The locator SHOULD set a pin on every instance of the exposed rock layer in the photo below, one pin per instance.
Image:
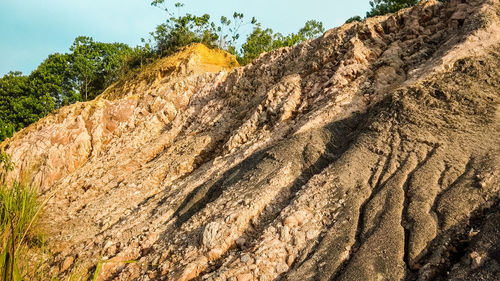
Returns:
(371, 153)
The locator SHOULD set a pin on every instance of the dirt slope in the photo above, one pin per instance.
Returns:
(371, 153)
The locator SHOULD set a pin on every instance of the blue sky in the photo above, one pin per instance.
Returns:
(30, 30)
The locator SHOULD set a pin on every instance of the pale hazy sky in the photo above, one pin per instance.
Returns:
(30, 30)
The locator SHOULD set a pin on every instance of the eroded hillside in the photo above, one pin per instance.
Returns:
(371, 153)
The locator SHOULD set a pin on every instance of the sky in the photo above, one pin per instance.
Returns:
(30, 30)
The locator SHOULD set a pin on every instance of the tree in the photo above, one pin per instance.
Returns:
(264, 40)
(259, 41)
(181, 31)
(84, 63)
(382, 7)
(12, 86)
(311, 29)
(7, 129)
(20, 103)
(93, 66)
(52, 76)
(137, 58)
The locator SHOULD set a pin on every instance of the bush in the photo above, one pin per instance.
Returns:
(382, 7)
(353, 19)
(264, 40)
(182, 31)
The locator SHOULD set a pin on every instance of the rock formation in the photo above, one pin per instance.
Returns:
(370, 153)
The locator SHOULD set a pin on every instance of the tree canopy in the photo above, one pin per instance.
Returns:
(20, 103)
(264, 40)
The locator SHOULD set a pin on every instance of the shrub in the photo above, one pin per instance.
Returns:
(264, 40)
(382, 7)
(353, 19)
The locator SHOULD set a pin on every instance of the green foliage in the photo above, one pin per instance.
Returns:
(93, 66)
(6, 165)
(353, 19)
(259, 41)
(228, 31)
(182, 31)
(137, 58)
(382, 7)
(18, 212)
(311, 29)
(51, 77)
(264, 40)
(21, 103)
(19, 234)
(19, 209)
(83, 73)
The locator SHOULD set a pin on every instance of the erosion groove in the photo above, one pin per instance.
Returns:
(370, 153)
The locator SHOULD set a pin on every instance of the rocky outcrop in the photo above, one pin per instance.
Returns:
(130, 110)
(370, 153)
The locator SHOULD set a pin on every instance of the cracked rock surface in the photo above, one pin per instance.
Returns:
(370, 153)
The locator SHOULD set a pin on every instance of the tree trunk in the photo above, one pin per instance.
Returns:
(86, 89)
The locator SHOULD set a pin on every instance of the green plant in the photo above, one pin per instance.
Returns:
(264, 40)
(6, 165)
(181, 31)
(20, 105)
(353, 19)
(382, 7)
(19, 210)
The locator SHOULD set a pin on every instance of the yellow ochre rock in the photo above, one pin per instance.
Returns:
(193, 59)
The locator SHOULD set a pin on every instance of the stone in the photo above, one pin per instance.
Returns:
(245, 258)
(211, 235)
(244, 277)
(476, 260)
(67, 263)
(215, 254)
(240, 242)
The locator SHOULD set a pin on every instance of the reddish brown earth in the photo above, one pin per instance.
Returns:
(370, 153)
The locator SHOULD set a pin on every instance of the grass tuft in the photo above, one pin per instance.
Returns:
(19, 209)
